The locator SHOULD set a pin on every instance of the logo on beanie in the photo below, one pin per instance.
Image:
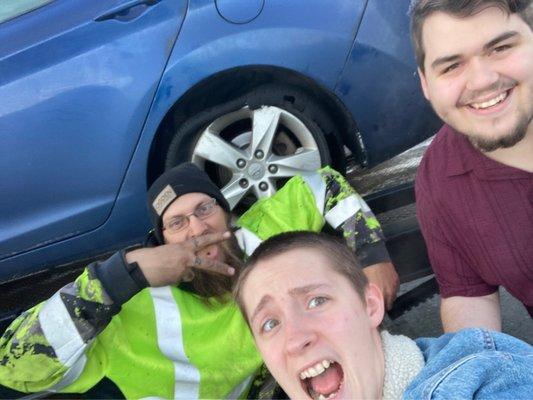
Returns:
(163, 199)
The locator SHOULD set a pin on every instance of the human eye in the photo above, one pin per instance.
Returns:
(176, 223)
(501, 48)
(317, 301)
(204, 208)
(450, 68)
(268, 325)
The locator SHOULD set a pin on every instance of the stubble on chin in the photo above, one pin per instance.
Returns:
(506, 141)
(477, 137)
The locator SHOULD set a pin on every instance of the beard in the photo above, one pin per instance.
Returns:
(210, 285)
(509, 140)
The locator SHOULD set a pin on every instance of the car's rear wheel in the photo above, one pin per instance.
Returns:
(252, 145)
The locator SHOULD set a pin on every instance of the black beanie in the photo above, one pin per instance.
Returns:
(180, 180)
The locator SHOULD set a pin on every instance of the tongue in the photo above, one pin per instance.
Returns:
(329, 381)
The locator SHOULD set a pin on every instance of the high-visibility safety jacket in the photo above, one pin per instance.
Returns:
(167, 342)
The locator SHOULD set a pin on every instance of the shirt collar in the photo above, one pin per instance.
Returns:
(463, 157)
(460, 153)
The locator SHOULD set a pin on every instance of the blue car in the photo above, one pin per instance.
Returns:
(98, 98)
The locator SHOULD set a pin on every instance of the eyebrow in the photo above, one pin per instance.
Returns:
(501, 38)
(173, 216)
(298, 291)
(305, 289)
(262, 303)
(445, 60)
(492, 43)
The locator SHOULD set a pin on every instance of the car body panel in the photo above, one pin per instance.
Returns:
(314, 41)
(239, 12)
(97, 85)
(107, 210)
(383, 55)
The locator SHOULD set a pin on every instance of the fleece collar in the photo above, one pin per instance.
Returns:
(403, 361)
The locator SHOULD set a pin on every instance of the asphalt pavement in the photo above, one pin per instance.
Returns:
(424, 320)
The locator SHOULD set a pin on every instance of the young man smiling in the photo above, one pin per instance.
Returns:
(157, 321)
(474, 186)
(315, 320)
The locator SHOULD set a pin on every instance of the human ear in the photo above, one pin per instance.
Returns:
(423, 83)
(375, 304)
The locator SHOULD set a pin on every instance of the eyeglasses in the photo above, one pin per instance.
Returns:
(202, 211)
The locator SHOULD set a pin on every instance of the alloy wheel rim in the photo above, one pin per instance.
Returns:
(249, 158)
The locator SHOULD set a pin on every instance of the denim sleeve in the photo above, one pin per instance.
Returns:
(474, 363)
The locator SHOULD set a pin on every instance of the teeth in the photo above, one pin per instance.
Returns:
(322, 397)
(315, 370)
(489, 103)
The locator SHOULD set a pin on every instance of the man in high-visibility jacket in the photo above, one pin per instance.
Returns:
(159, 321)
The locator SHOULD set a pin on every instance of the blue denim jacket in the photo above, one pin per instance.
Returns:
(474, 363)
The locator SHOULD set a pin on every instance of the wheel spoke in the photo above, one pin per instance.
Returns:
(233, 191)
(265, 123)
(215, 149)
(305, 161)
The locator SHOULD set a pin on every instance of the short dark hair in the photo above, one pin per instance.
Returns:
(343, 260)
(421, 9)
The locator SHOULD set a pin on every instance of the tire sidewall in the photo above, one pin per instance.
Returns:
(293, 100)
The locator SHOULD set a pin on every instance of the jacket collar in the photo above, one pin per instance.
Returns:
(403, 362)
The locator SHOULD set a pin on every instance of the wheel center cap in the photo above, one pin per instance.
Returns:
(256, 170)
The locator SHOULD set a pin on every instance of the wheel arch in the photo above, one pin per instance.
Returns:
(233, 83)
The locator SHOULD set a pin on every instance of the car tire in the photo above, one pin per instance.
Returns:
(290, 129)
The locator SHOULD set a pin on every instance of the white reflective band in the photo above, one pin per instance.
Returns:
(318, 187)
(365, 207)
(241, 387)
(343, 210)
(170, 340)
(60, 331)
(248, 241)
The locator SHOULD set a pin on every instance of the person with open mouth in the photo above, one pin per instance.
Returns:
(159, 320)
(316, 322)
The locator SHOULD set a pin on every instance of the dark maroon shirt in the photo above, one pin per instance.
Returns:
(476, 216)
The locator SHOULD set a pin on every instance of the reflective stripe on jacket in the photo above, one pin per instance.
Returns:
(167, 342)
(308, 202)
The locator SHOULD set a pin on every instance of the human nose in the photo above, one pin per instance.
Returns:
(197, 226)
(481, 75)
(300, 336)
